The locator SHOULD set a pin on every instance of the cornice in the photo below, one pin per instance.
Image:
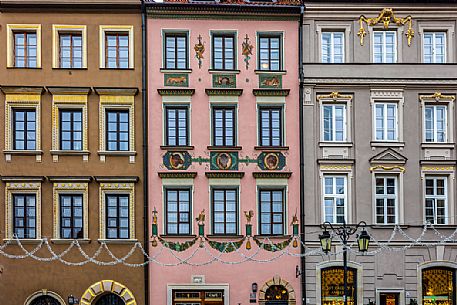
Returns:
(168, 175)
(225, 92)
(277, 175)
(22, 178)
(116, 91)
(69, 178)
(379, 81)
(116, 178)
(69, 90)
(36, 90)
(271, 92)
(223, 175)
(178, 92)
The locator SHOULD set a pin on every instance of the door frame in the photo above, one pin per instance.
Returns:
(199, 287)
(401, 291)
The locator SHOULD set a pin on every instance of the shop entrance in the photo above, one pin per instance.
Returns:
(198, 297)
(389, 298)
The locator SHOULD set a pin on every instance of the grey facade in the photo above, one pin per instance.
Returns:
(384, 161)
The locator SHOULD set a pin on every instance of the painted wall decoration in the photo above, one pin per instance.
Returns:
(246, 50)
(224, 80)
(176, 80)
(271, 161)
(199, 50)
(176, 160)
(224, 161)
(270, 81)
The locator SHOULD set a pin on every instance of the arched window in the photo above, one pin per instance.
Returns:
(438, 286)
(110, 299)
(276, 295)
(45, 300)
(332, 286)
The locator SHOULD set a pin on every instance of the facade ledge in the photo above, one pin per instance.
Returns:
(69, 178)
(116, 178)
(336, 144)
(69, 90)
(118, 241)
(176, 148)
(278, 175)
(438, 162)
(389, 226)
(163, 70)
(271, 148)
(23, 152)
(224, 148)
(23, 178)
(280, 72)
(60, 241)
(335, 161)
(438, 145)
(176, 92)
(221, 236)
(211, 71)
(165, 175)
(25, 241)
(22, 90)
(271, 92)
(116, 153)
(69, 152)
(237, 175)
(176, 236)
(262, 237)
(116, 91)
(224, 92)
(386, 144)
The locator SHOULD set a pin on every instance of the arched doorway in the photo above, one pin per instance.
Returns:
(45, 300)
(44, 297)
(277, 291)
(109, 299)
(108, 292)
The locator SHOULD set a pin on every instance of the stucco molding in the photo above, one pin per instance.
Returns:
(277, 280)
(174, 175)
(176, 92)
(108, 286)
(225, 175)
(44, 292)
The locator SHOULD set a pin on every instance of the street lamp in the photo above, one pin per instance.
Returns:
(344, 232)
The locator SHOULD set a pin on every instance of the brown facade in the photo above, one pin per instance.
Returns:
(48, 168)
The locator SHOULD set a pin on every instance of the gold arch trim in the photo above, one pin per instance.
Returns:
(335, 95)
(438, 96)
(387, 168)
(277, 280)
(105, 286)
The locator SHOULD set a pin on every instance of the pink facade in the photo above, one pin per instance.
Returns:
(236, 279)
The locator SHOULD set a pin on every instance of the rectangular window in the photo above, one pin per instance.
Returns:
(270, 121)
(178, 211)
(176, 51)
(385, 47)
(177, 126)
(386, 122)
(335, 198)
(70, 129)
(334, 123)
(71, 216)
(24, 129)
(117, 216)
(270, 52)
(332, 47)
(224, 126)
(25, 49)
(435, 123)
(386, 200)
(117, 130)
(436, 200)
(70, 50)
(271, 204)
(24, 215)
(224, 51)
(434, 47)
(225, 211)
(117, 50)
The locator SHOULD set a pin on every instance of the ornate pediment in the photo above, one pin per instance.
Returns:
(389, 156)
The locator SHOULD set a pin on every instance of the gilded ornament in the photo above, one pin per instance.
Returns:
(246, 50)
(437, 96)
(334, 96)
(199, 50)
(388, 168)
(249, 215)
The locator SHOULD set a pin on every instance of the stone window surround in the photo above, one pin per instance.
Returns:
(233, 32)
(449, 29)
(187, 32)
(341, 100)
(333, 27)
(224, 183)
(282, 58)
(116, 28)
(274, 101)
(56, 30)
(399, 42)
(10, 42)
(183, 101)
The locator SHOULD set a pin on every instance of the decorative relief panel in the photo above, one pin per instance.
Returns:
(177, 160)
(224, 80)
(270, 81)
(271, 161)
(224, 161)
(176, 80)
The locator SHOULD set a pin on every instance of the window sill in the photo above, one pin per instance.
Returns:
(23, 152)
(163, 70)
(261, 237)
(226, 236)
(336, 144)
(224, 148)
(121, 69)
(117, 241)
(271, 148)
(61, 241)
(387, 144)
(212, 71)
(438, 145)
(24, 241)
(57, 68)
(178, 236)
(176, 148)
(25, 68)
(116, 153)
(69, 152)
(281, 72)
(388, 226)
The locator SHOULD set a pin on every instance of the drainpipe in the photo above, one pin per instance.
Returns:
(302, 157)
(144, 96)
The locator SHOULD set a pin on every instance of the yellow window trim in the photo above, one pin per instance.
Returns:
(116, 28)
(56, 28)
(10, 41)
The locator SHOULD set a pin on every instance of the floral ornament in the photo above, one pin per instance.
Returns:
(249, 216)
(226, 247)
(178, 246)
(199, 50)
(246, 50)
(273, 247)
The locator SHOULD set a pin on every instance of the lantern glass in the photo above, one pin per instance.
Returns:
(326, 241)
(363, 241)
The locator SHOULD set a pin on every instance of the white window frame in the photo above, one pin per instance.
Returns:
(437, 197)
(434, 46)
(332, 46)
(448, 28)
(386, 196)
(11, 28)
(332, 27)
(435, 129)
(116, 28)
(345, 125)
(439, 99)
(335, 196)
(396, 41)
(384, 124)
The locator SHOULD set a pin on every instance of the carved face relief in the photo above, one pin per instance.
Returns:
(271, 161)
(176, 160)
(224, 161)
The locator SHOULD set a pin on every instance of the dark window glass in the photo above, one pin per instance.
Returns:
(270, 54)
(24, 129)
(24, 215)
(25, 49)
(178, 211)
(70, 129)
(176, 53)
(225, 211)
(224, 126)
(45, 300)
(270, 122)
(117, 130)
(71, 216)
(438, 286)
(176, 126)
(224, 52)
(71, 50)
(109, 299)
(332, 285)
(117, 216)
(271, 212)
(117, 50)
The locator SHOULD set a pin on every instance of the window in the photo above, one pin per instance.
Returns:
(270, 52)
(117, 216)
(24, 129)
(386, 200)
(435, 123)
(436, 200)
(117, 50)
(225, 211)
(332, 47)
(332, 285)
(271, 204)
(224, 126)
(335, 198)
(25, 49)
(117, 130)
(386, 121)
(178, 209)
(70, 50)
(71, 216)
(434, 279)
(70, 129)
(177, 133)
(435, 47)
(334, 122)
(224, 51)
(270, 121)
(24, 216)
(385, 47)
(176, 51)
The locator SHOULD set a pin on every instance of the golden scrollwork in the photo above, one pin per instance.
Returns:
(386, 16)
(387, 168)
(334, 96)
(438, 96)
